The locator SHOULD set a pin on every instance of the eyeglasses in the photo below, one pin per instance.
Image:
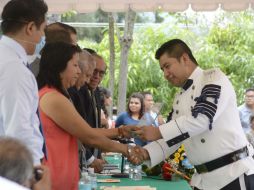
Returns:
(100, 72)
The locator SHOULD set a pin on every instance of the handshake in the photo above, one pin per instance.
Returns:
(136, 155)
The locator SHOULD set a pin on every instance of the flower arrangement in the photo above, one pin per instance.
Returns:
(176, 165)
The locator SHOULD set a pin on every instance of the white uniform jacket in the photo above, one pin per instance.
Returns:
(19, 98)
(206, 120)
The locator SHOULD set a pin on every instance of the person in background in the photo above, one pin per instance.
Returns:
(106, 101)
(205, 120)
(247, 109)
(87, 66)
(56, 26)
(9, 185)
(155, 117)
(55, 32)
(23, 24)
(135, 111)
(91, 104)
(250, 134)
(62, 124)
(16, 164)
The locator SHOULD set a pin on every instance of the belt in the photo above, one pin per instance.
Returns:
(222, 161)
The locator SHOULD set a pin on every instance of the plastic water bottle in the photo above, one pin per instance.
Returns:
(126, 166)
(93, 178)
(85, 182)
(135, 172)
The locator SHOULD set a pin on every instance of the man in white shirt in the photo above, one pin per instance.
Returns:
(23, 24)
(9, 185)
(247, 109)
(152, 113)
(205, 119)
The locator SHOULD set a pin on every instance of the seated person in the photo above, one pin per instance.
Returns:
(135, 111)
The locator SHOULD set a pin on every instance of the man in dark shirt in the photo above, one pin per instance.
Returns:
(91, 96)
(88, 104)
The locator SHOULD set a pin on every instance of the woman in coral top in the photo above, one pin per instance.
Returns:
(61, 123)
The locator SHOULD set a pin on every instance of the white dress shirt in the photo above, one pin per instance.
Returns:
(9, 185)
(19, 98)
(203, 144)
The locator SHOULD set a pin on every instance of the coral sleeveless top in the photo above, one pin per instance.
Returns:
(62, 152)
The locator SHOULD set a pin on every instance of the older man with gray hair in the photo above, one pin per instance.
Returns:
(16, 164)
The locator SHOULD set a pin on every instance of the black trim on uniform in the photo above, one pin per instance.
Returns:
(187, 84)
(222, 161)
(169, 117)
(178, 139)
(235, 185)
(204, 106)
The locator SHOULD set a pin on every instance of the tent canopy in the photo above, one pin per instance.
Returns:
(86, 6)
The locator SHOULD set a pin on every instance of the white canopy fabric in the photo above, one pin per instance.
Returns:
(86, 6)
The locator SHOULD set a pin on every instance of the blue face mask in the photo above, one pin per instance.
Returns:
(40, 45)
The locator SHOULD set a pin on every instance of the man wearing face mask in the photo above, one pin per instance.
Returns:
(55, 32)
(23, 24)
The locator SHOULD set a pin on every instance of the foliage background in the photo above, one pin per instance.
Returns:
(227, 42)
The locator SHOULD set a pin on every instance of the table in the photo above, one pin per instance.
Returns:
(146, 180)
(159, 184)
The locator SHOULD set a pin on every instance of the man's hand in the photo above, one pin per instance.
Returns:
(44, 183)
(97, 164)
(127, 130)
(148, 133)
(137, 155)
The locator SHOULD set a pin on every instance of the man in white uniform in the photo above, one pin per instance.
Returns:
(23, 24)
(205, 119)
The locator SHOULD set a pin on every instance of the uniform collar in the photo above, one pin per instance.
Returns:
(187, 84)
(16, 47)
(197, 71)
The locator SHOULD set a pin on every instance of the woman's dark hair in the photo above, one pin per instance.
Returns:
(141, 99)
(104, 93)
(17, 13)
(54, 60)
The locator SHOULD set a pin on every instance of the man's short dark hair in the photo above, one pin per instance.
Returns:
(175, 48)
(146, 93)
(91, 51)
(249, 89)
(62, 26)
(57, 36)
(17, 13)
